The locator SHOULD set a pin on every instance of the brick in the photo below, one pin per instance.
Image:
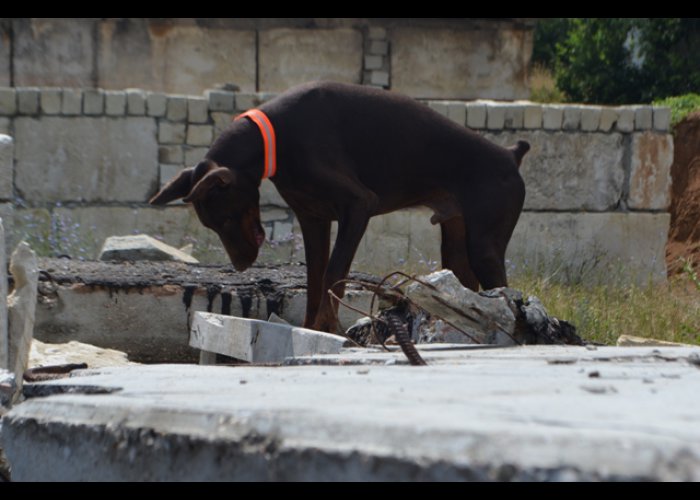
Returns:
(171, 154)
(608, 118)
(662, 119)
(643, 118)
(28, 101)
(171, 133)
(93, 102)
(552, 117)
(176, 108)
(72, 102)
(115, 103)
(197, 110)
(590, 118)
(476, 115)
(200, 135)
(156, 104)
(194, 155)
(457, 112)
(532, 116)
(572, 118)
(374, 62)
(650, 171)
(8, 101)
(379, 47)
(135, 102)
(625, 119)
(220, 100)
(50, 101)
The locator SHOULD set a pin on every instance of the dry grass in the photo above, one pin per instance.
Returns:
(543, 87)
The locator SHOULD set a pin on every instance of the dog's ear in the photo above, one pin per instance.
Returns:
(180, 186)
(219, 176)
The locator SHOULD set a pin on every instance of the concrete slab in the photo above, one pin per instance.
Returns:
(526, 413)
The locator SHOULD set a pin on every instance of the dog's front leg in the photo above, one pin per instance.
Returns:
(317, 241)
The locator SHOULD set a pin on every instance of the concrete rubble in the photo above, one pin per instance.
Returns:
(141, 247)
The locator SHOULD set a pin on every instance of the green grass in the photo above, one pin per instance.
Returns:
(601, 313)
(681, 106)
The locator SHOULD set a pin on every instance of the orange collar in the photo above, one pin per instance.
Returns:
(270, 142)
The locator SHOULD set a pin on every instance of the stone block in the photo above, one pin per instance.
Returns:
(572, 118)
(221, 122)
(270, 196)
(220, 100)
(590, 118)
(376, 33)
(515, 117)
(8, 101)
(86, 159)
(4, 125)
(156, 104)
(379, 47)
(662, 119)
(532, 116)
(194, 155)
(167, 172)
(476, 115)
(579, 248)
(643, 117)
(197, 110)
(380, 78)
(171, 133)
(135, 102)
(287, 57)
(282, 231)
(71, 102)
(495, 116)
(552, 117)
(50, 101)
(200, 135)
(608, 118)
(457, 112)
(565, 171)
(258, 341)
(28, 101)
(650, 171)
(93, 102)
(374, 62)
(171, 154)
(115, 103)
(176, 108)
(625, 119)
(438, 106)
(274, 214)
(247, 100)
(7, 153)
(141, 247)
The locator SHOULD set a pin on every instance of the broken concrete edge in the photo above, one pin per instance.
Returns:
(633, 341)
(141, 247)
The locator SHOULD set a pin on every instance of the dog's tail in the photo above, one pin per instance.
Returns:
(519, 151)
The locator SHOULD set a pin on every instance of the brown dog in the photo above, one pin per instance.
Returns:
(347, 153)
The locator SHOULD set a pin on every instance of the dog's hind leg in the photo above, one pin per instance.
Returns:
(453, 251)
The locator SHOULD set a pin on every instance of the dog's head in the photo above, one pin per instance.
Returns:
(225, 203)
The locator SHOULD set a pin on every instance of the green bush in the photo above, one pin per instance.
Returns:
(681, 106)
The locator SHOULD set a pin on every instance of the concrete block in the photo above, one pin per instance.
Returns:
(50, 101)
(167, 172)
(141, 247)
(457, 112)
(200, 135)
(221, 122)
(171, 133)
(171, 154)
(515, 117)
(643, 118)
(438, 106)
(156, 104)
(28, 101)
(476, 115)
(532, 116)
(247, 100)
(495, 116)
(115, 103)
(379, 78)
(625, 119)
(287, 57)
(374, 62)
(608, 118)
(572, 118)
(662, 119)
(93, 102)
(220, 100)
(176, 108)
(7, 153)
(590, 118)
(552, 117)
(565, 171)
(270, 196)
(591, 247)
(194, 155)
(135, 102)
(282, 231)
(4, 125)
(376, 33)
(258, 341)
(8, 101)
(274, 214)
(379, 47)
(197, 110)
(71, 102)
(89, 159)
(650, 171)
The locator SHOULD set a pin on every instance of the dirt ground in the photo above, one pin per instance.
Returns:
(684, 234)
